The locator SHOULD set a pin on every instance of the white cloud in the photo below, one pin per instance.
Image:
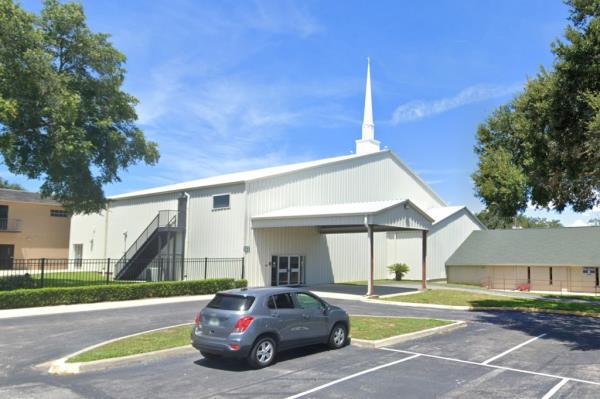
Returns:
(578, 223)
(419, 109)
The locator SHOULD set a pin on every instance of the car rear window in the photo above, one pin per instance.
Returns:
(231, 302)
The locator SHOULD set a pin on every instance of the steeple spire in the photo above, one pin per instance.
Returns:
(368, 127)
(368, 143)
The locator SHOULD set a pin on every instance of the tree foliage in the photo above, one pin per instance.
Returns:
(63, 116)
(13, 186)
(544, 146)
(492, 221)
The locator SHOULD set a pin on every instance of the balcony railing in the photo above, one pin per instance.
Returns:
(12, 225)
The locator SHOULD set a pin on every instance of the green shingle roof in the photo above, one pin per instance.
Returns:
(565, 246)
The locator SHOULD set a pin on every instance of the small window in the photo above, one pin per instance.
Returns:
(231, 302)
(221, 201)
(284, 301)
(58, 213)
(309, 302)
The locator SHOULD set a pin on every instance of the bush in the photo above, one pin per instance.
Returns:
(118, 292)
(399, 270)
(16, 282)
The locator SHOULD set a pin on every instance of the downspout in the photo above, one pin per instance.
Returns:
(187, 222)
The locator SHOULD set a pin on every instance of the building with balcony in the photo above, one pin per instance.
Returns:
(31, 227)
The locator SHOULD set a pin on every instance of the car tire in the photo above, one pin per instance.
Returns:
(263, 353)
(210, 356)
(338, 336)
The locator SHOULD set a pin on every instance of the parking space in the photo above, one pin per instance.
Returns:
(497, 355)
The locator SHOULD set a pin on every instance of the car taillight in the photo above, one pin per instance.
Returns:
(197, 319)
(242, 324)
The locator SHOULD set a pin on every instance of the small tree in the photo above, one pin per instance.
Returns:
(399, 270)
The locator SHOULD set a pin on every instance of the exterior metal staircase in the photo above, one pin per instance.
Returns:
(158, 241)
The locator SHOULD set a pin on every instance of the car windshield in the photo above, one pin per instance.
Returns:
(231, 302)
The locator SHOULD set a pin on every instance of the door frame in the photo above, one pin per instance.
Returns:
(275, 271)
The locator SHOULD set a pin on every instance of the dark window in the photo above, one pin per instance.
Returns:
(307, 301)
(284, 301)
(221, 201)
(550, 276)
(58, 213)
(271, 303)
(231, 302)
(7, 252)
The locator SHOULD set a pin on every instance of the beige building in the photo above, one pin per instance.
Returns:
(559, 259)
(31, 227)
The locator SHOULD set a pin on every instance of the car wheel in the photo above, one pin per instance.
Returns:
(338, 336)
(263, 353)
(209, 356)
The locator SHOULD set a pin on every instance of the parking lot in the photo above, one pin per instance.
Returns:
(497, 355)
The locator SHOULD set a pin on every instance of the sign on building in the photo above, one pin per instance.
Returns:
(589, 271)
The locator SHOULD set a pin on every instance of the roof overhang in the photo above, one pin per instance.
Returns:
(349, 217)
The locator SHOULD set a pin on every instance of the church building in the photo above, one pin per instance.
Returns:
(330, 220)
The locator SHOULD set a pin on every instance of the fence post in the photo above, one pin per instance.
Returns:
(205, 267)
(242, 268)
(108, 271)
(42, 266)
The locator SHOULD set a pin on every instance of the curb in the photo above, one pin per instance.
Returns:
(418, 305)
(61, 367)
(365, 343)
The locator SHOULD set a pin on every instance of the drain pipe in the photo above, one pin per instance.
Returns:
(371, 285)
(187, 222)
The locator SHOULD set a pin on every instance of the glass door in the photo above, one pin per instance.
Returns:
(287, 270)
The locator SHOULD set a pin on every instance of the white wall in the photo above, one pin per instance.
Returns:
(349, 255)
(216, 233)
(88, 230)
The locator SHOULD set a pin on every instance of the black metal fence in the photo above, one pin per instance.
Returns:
(44, 272)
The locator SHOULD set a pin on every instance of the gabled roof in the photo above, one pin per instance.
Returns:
(241, 177)
(565, 246)
(25, 197)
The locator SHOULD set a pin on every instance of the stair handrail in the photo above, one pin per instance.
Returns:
(146, 233)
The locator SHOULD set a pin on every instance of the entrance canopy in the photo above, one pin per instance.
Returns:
(349, 217)
(352, 218)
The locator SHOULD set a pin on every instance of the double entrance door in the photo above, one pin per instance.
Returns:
(287, 270)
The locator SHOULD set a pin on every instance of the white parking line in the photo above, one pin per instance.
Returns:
(301, 394)
(512, 349)
(555, 388)
(492, 366)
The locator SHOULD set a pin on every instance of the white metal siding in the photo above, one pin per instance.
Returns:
(216, 233)
(445, 238)
(349, 255)
(88, 230)
(406, 247)
(133, 216)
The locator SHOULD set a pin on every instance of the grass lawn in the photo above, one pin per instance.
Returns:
(374, 328)
(363, 327)
(148, 342)
(464, 298)
(72, 279)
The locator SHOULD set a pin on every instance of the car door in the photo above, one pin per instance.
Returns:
(288, 319)
(314, 317)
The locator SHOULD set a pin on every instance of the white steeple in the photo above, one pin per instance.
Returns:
(368, 143)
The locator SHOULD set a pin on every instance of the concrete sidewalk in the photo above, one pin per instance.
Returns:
(87, 307)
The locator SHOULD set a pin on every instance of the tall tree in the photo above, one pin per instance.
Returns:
(13, 186)
(492, 221)
(63, 115)
(544, 146)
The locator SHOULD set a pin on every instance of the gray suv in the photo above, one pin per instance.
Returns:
(256, 323)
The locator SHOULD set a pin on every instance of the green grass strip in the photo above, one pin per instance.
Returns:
(143, 343)
(374, 328)
(477, 300)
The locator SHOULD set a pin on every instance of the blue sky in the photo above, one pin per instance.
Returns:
(229, 86)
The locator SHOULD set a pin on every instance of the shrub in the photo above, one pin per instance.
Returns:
(117, 292)
(399, 270)
(16, 282)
